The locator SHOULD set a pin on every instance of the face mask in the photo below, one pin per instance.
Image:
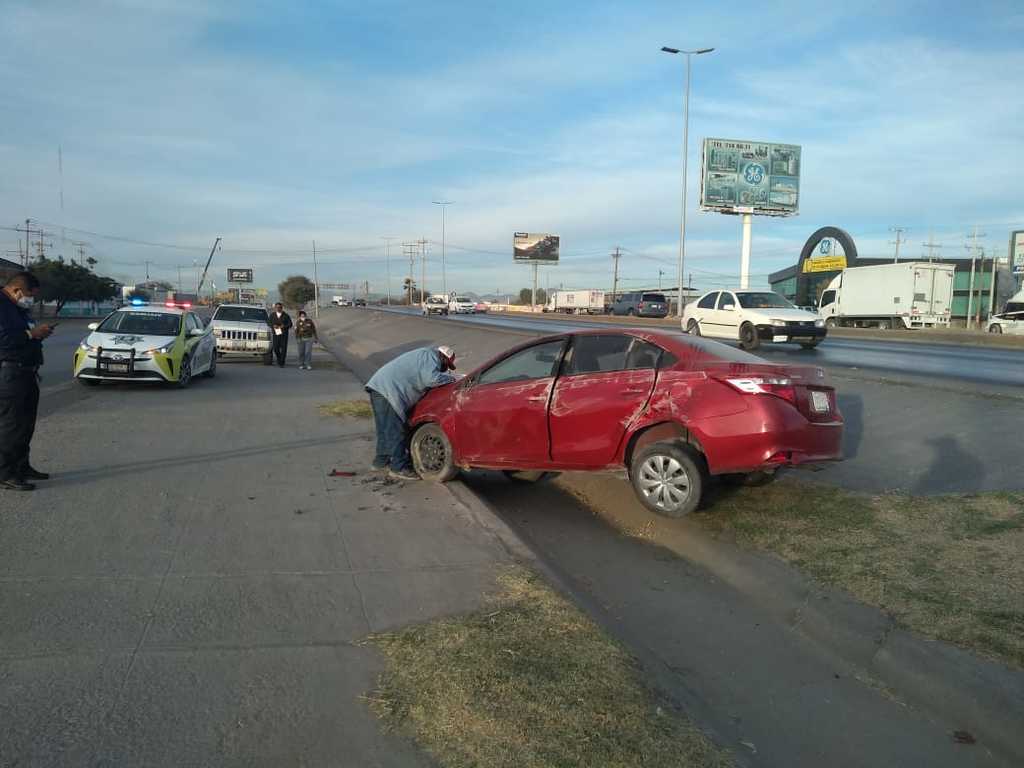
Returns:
(25, 302)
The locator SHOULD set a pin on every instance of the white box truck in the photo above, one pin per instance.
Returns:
(907, 294)
(576, 302)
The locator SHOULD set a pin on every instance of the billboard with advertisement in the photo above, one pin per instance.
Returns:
(750, 177)
(1017, 251)
(534, 247)
(236, 275)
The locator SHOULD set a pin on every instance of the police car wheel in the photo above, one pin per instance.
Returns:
(185, 375)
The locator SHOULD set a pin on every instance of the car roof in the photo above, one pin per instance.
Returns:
(154, 308)
(247, 306)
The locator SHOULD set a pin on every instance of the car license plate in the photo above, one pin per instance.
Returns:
(780, 338)
(819, 401)
(117, 367)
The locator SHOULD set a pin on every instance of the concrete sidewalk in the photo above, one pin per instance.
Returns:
(191, 587)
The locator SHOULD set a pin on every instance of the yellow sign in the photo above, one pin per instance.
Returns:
(825, 264)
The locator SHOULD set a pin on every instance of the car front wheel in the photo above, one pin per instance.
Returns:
(668, 478)
(749, 339)
(693, 328)
(185, 375)
(995, 328)
(432, 455)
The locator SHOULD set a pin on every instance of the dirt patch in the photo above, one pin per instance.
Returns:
(351, 409)
(949, 567)
(529, 682)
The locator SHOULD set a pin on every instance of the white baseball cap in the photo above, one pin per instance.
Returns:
(449, 354)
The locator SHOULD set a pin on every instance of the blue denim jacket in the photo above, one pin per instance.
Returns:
(405, 380)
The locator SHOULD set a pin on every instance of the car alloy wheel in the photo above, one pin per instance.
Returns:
(432, 454)
(667, 478)
(693, 328)
(185, 375)
(995, 328)
(748, 337)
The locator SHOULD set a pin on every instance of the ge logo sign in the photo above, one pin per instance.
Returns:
(825, 247)
(754, 173)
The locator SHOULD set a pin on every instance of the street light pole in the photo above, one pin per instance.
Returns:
(387, 261)
(686, 143)
(444, 275)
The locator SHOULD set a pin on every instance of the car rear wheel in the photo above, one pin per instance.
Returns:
(432, 454)
(185, 374)
(668, 478)
(693, 328)
(528, 476)
(749, 339)
(995, 328)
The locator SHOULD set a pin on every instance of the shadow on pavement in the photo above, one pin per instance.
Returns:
(952, 469)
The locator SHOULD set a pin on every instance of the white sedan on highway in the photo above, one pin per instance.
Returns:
(460, 305)
(1007, 322)
(752, 317)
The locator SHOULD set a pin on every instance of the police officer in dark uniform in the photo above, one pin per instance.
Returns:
(21, 354)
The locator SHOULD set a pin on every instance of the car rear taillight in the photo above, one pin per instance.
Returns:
(763, 385)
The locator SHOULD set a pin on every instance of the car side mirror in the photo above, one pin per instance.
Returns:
(93, 326)
(728, 307)
(196, 332)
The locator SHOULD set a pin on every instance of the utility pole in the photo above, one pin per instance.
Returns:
(931, 245)
(179, 279)
(316, 286)
(207, 267)
(387, 262)
(660, 273)
(974, 248)
(423, 271)
(409, 250)
(899, 239)
(444, 274)
(615, 272)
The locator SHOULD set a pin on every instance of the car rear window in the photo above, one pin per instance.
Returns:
(597, 354)
(241, 314)
(657, 298)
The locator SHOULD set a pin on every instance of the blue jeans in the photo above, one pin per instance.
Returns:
(392, 444)
(306, 352)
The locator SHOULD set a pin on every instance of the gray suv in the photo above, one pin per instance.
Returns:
(641, 305)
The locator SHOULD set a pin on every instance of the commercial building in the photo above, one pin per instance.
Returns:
(8, 269)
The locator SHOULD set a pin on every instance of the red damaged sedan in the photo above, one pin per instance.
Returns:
(671, 409)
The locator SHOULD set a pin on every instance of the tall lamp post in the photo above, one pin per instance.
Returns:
(686, 142)
(444, 274)
(387, 261)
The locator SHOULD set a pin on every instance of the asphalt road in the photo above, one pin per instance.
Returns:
(956, 362)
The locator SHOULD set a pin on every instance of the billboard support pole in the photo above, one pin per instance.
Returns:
(533, 296)
(316, 286)
(745, 253)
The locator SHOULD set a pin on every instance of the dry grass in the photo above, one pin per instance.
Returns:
(352, 409)
(530, 682)
(949, 567)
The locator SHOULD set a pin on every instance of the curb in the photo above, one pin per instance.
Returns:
(982, 697)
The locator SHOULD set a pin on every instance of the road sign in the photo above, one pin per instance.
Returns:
(825, 264)
(236, 275)
(750, 177)
(335, 286)
(1017, 250)
(534, 247)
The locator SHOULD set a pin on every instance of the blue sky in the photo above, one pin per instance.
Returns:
(272, 124)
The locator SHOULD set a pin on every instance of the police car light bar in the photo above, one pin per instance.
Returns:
(178, 305)
(137, 302)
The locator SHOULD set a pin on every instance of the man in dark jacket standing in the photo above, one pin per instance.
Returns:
(21, 354)
(280, 324)
(305, 334)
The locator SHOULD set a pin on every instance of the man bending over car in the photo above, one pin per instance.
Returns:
(394, 390)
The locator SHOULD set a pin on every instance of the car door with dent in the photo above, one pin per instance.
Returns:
(502, 415)
(605, 382)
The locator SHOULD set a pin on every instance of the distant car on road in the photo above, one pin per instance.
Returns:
(157, 343)
(435, 305)
(460, 305)
(359, 302)
(671, 409)
(640, 304)
(481, 308)
(243, 330)
(752, 317)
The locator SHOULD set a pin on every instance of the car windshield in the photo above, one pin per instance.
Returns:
(657, 298)
(463, 300)
(148, 323)
(765, 300)
(435, 300)
(241, 314)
